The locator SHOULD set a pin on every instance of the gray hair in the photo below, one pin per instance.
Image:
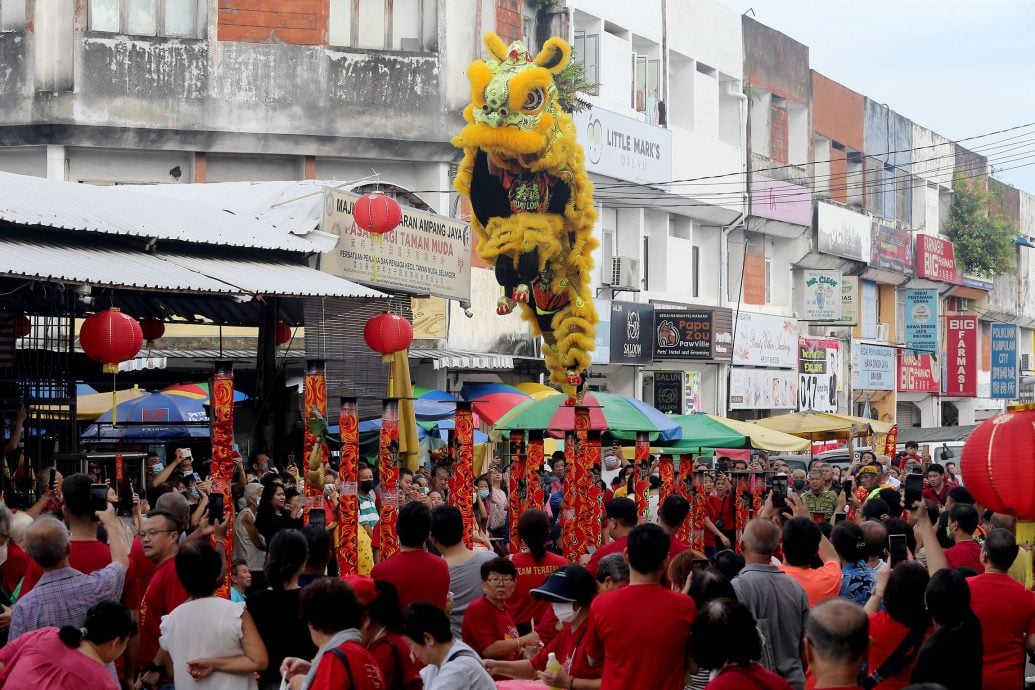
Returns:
(613, 566)
(46, 541)
(6, 517)
(20, 522)
(252, 490)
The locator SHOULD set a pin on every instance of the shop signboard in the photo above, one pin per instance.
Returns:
(765, 340)
(1004, 361)
(668, 392)
(961, 356)
(843, 232)
(683, 334)
(817, 374)
(921, 316)
(762, 389)
(873, 367)
(780, 200)
(892, 249)
(426, 254)
(631, 333)
(936, 260)
(849, 300)
(822, 296)
(624, 148)
(917, 373)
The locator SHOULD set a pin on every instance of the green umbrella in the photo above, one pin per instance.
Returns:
(701, 431)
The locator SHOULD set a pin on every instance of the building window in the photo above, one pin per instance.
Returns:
(174, 18)
(587, 50)
(12, 15)
(645, 85)
(403, 25)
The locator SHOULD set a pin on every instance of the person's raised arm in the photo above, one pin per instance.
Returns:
(117, 541)
(933, 551)
(16, 431)
(167, 471)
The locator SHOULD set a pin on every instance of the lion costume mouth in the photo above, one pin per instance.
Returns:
(508, 140)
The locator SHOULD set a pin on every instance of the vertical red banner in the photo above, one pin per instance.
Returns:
(518, 486)
(315, 459)
(348, 495)
(642, 483)
(579, 508)
(534, 498)
(569, 516)
(666, 472)
(461, 482)
(891, 442)
(961, 356)
(388, 464)
(692, 532)
(742, 503)
(595, 509)
(222, 434)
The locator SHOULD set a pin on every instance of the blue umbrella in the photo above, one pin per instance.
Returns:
(152, 417)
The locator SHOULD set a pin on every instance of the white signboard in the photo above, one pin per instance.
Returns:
(763, 389)
(818, 374)
(822, 296)
(842, 232)
(764, 340)
(426, 254)
(624, 148)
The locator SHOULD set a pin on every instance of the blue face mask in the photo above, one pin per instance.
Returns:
(157, 468)
(483, 493)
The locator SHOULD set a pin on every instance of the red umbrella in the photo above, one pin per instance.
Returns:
(493, 400)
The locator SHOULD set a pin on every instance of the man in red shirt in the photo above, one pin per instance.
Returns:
(641, 633)
(621, 518)
(837, 640)
(1006, 611)
(416, 574)
(87, 554)
(937, 488)
(488, 629)
(963, 522)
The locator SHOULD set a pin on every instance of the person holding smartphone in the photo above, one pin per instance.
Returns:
(720, 516)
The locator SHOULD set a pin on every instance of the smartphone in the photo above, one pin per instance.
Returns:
(780, 491)
(318, 517)
(699, 564)
(98, 499)
(722, 466)
(897, 548)
(215, 508)
(53, 479)
(846, 486)
(914, 490)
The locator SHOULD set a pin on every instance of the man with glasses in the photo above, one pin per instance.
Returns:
(488, 628)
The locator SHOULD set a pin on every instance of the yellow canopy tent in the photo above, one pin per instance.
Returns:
(822, 426)
(91, 406)
(765, 438)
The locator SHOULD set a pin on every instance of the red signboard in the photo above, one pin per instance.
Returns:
(936, 259)
(917, 373)
(892, 249)
(961, 356)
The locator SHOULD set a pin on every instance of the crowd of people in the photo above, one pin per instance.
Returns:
(845, 579)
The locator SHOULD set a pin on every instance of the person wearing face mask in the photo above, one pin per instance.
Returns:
(183, 461)
(369, 515)
(569, 591)
(817, 498)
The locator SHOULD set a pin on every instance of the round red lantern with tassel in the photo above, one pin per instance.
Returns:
(996, 463)
(111, 337)
(22, 326)
(283, 334)
(153, 329)
(388, 333)
(377, 213)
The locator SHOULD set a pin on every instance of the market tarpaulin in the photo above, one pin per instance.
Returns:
(766, 439)
(818, 426)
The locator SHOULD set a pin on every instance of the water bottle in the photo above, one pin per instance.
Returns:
(553, 666)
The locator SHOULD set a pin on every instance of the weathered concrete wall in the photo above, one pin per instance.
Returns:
(888, 140)
(775, 62)
(970, 165)
(837, 111)
(933, 156)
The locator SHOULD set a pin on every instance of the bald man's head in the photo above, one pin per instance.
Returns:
(838, 631)
(46, 542)
(176, 504)
(875, 534)
(761, 537)
(1004, 521)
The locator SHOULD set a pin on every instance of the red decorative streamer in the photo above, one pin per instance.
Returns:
(348, 496)
(315, 400)
(388, 464)
(534, 498)
(569, 517)
(642, 483)
(461, 482)
(596, 492)
(742, 503)
(666, 471)
(119, 472)
(692, 483)
(518, 486)
(222, 433)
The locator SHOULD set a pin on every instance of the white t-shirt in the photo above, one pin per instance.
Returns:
(461, 670)
(205, 629)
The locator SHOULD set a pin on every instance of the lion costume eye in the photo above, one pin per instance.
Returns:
(534, 100)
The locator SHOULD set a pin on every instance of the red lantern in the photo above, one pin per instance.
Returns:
(996, 463)
(22, 326)
(283, 334)
(153, 329)
(111, 337)
(377, 213)
(388, 333)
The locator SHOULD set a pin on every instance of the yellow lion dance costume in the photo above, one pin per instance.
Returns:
(532, 201)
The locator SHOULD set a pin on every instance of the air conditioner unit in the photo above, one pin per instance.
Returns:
(882, 332)
(1026, 362)
(621, 272)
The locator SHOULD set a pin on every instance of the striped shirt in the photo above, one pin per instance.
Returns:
(368, 515)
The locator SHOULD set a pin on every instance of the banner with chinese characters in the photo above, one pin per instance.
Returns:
(222, 399)
(1004, 361)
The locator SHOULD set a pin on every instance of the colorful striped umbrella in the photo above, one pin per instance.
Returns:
(491, 401)
(607, 412)
(536, 391)
(198, 391)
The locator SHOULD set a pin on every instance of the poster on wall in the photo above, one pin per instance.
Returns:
(694, 392)
(817, 374)
(822, 296)
(873, 367)
(683, 334)
(764, 340)
(961, 356)
(762, 389)
(921, 315)
(1004, 361)
(668, 392)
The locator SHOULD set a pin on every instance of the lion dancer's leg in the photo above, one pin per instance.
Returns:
(575, 332)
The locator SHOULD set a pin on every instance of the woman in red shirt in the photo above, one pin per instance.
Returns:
(382, 633)
(534, 564)
(901, 626)
(569, 592)
(720, 516)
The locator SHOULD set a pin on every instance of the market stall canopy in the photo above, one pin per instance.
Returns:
(536, 391)
(701, 431)
(198, 391)
(92, 405)
(818, 426)
(492, 401)
(617, 414)
(766, 439)
(152, 417)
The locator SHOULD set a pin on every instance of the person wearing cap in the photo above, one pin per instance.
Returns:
(569, 591)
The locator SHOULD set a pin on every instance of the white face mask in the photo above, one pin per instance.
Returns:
(565, 612)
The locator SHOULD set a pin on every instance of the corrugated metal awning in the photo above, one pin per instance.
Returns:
(457, 359)
(123, 267)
